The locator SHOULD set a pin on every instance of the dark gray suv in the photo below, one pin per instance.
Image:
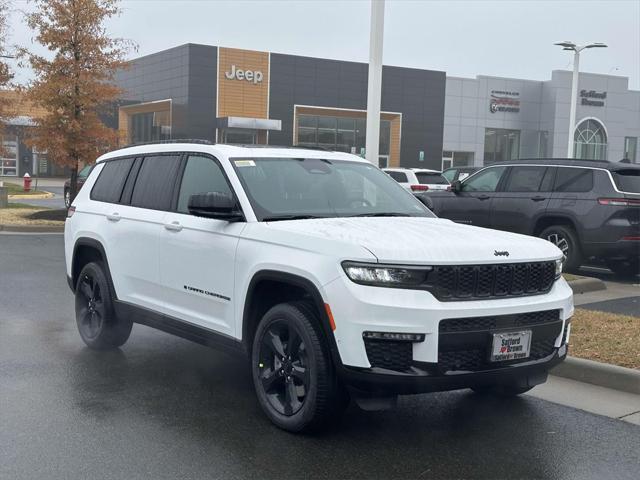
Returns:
(587, 208)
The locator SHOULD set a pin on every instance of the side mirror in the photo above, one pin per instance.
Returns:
(221, 206)
(456, 187)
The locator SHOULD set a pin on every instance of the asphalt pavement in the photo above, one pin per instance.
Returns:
(162, 407)
(621, 296)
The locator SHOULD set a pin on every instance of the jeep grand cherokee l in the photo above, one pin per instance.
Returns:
(589, 209)
(333, 280)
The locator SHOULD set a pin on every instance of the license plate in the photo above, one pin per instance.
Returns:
(510, 346)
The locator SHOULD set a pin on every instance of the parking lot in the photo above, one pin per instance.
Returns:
(162, 407)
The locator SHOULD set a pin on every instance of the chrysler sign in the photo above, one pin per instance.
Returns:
(248, 75)
(502, 101)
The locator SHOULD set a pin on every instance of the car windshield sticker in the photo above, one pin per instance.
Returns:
(245, 163)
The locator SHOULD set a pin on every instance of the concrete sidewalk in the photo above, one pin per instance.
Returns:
(591, 398)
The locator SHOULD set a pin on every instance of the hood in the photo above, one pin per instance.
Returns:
(419, 240)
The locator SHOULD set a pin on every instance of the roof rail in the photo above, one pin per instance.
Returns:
(173, 140)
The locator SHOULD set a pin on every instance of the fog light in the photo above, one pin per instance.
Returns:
(394, 337)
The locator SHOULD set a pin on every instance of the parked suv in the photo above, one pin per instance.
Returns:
(418, 180)
(587, 208)
(82, 177)
(333, 280)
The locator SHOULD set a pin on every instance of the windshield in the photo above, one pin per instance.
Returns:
(449, 174)
(627, 180)
(287, 188)
(431, 178)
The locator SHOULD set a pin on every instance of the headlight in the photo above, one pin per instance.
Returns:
(559, 267)
(385, 275)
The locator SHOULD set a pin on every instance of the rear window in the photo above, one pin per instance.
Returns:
(398, 176)
(431, 178)
(574, 180)
(108, 187)
(154, 185)
(627, 180)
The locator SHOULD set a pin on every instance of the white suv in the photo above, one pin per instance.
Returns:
(419, 180)
(333, 280)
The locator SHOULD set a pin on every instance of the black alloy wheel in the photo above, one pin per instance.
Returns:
(98, 324)
(284, 367)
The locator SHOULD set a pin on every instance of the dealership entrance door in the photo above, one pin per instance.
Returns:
(238, 136)
(244, 130)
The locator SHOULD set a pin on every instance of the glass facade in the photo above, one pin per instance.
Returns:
(345, 134)
(9, 157)
(631, 149)
(501, 145)
(149, 126)
(590, 141)
(456, 159)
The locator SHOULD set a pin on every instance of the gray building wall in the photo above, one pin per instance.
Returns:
(417, 94)
(544, 107)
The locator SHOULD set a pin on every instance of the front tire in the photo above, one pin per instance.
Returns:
(291, 368)
(98, 325)
(566, 240)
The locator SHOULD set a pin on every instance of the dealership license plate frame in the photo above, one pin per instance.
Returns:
(496, 356)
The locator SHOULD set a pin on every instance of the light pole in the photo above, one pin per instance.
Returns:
(374, 87)
(576, 49)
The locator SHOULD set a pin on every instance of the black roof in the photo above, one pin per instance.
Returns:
(573, 163)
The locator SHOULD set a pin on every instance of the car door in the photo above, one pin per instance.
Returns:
(197, 254)
(472, 204)
(523, 198)
(138, 222)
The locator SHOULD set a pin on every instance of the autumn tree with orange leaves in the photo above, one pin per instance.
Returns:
(74, 85)
(5, 72)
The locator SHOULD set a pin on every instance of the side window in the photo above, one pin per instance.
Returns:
(398, 176)
(484, 181)
(201, 175)
(525, 179)
(574, 180)
(84, 173)
(108, 186)
(154, 185)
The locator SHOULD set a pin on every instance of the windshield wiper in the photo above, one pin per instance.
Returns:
(275, 218)
(382, 214)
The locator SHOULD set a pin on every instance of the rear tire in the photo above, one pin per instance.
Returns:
(501, 390)
(98, 325)
(566, 240)
(293, 376)
(67, 198)
(625, 268)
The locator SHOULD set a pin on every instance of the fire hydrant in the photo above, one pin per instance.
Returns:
(26, 185)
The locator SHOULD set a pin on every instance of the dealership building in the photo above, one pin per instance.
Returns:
(428, 119)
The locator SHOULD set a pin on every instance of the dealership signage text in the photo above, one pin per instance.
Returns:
(248, 75)
(592, 98)
(502, 101)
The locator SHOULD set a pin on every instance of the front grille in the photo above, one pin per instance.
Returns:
(470, 324)
(390, 355)
(467, 282)
(476, 359)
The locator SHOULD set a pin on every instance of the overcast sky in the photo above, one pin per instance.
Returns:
(464, 38)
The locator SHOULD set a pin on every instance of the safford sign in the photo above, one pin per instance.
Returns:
(502, 101)
(592, 98)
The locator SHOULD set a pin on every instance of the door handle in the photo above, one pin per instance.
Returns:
(173, 226)
(538, 198)
(113, 217)
(483, 197)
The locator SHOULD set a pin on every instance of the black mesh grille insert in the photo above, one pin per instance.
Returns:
(463, 282)
(470, 324)
(390, 355)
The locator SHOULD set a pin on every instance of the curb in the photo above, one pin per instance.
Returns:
(601, 374)
(32, 228)
(32, 197)
(586, 285)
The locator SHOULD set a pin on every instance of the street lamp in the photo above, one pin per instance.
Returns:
(576, 49)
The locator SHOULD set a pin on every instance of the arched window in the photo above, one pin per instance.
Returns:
(590, 140)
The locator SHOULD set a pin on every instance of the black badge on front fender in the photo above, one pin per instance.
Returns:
(502, 253)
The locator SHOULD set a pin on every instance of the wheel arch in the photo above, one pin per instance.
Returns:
(270, 287)
(87, 250)
(548, 220)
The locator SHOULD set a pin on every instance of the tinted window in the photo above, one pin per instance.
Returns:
(574, 180)
(525, 179)
(449, 174)
(154, 185)
(627, 180)
(84, 172)
(109, 185)
(485, 181)
(431, 178)
(398, 176)
(201, 175)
